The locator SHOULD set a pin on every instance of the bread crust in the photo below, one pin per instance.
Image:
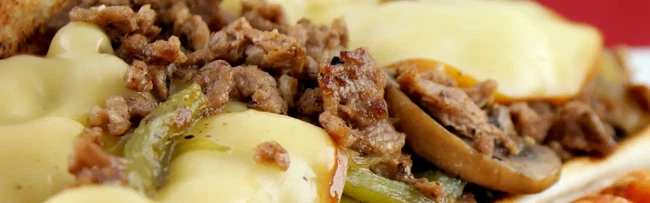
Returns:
(20, 19)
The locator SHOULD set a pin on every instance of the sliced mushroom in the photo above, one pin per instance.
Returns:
(534, 169)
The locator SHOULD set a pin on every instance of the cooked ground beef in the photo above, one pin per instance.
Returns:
(115, 117)
(579, 129)
(217, 80)
(137, 77)
(453, 108)
(116, 20)
(191, 26)
(311, 102)
(529, 122)
(160, 81)
(240, 43)
(92, 165)
(272, 153)
(264, 16)
(356, 113)
(160, 52)
(438, 77)
(482, 92)
(288, 87)
(321, 43)
(260, 89)
(140, 105)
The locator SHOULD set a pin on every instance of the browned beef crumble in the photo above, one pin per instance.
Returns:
(115, 117)
(190, 26)
(260, 89)
(264, 16)
(91, 164)
(140, 105)
(217, 80)
(356, 114)
(311, 102)
(529, 122)
(452, 107)
(321, 43)
(138, 78)
(272, 153)
(578, 128)
(482, 92)
(288, 87)
(160, 52)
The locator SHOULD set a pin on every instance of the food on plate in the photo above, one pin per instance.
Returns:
(314, 101)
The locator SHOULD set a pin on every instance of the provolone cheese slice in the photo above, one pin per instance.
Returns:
(528, 50)
(43, 107)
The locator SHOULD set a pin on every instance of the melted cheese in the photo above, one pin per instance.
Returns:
(528, 50)
(43, 109)
(233, 175)
(240, 179)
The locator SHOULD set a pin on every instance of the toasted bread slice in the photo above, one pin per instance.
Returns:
(19, 19)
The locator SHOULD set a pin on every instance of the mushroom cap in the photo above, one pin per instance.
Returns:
(534, 169)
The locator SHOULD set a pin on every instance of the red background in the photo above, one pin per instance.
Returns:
(620, 21)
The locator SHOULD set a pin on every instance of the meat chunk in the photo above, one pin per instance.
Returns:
(453, 108)
(137, 77)
(140, 105)
(115, 117)
(355, 112)
(288, 89)
(191, 26)
(118, 21)
(146, 19)
(482, 92)
(160, 81)
(579, 129)
(264, 16)
(272, 153)
(92, 165)
(260, 88)
(437, 76)
(530, 122)
(311, 102)
(217, 80)
(160, 52)
(322, 43)
(239, 42)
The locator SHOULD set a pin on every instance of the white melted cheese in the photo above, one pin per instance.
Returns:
(43, 109)
(528, 50)
(233, 176)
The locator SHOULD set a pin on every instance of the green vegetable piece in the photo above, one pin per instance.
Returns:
(346, 199)
(453, 187)
(366, 186)
(149, 143)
